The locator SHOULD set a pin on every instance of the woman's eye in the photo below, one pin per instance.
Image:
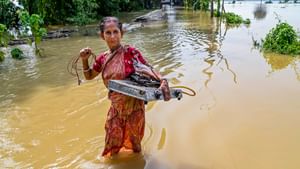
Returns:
(108, 33)
(116, 32)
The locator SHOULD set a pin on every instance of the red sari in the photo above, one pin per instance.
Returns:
(125, 121)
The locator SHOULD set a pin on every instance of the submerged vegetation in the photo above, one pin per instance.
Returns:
(234, 19)
(17, 53)
(282, 39)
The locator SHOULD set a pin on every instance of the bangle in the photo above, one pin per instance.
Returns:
(86, 70)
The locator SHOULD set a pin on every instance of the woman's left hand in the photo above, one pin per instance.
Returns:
(164, 86)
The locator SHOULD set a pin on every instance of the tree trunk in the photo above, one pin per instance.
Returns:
(211, 8)
(218, 8)
(223, 8)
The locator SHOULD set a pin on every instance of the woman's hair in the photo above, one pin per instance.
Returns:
(107, 20)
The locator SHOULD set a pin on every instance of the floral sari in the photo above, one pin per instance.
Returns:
(125, 121)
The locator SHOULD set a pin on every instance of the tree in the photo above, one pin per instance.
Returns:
(32, 24)
(211, 8)
(8, 15)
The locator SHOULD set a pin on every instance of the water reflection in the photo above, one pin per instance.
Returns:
(215, 56)
(280, 62)
(162, 139)
(124, 160)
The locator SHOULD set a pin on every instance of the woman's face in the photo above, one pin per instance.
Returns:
(112, 35)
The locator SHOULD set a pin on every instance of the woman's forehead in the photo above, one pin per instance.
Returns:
(110, 26)
(111, 19)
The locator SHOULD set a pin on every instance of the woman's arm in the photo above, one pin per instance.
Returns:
(89, 73)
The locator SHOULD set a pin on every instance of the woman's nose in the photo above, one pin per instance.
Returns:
(113, 35)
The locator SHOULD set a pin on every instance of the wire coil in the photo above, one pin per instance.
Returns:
(73, 66)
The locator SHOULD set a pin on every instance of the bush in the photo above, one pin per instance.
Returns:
(232, 18)
(247, 21)
(282, 39)
(16, 53)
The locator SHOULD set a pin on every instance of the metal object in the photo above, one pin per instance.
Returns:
(133, 89)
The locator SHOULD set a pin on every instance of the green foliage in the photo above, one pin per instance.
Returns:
(282, 39)
(2, 57)
(86, 12)
(4, 35)
(218, 8)
(127, 5)
(234, 19)
(247, 21)
(217, 14)
(53, 11)
(204, 4)
(25, 21)
(82, 11)
(16, 53)
(113, 7)
(197, 4)
(34, 24)
(8, 13)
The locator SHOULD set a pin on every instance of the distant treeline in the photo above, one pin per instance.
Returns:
(71, 11)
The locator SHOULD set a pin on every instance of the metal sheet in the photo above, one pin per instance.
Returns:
(133, 89)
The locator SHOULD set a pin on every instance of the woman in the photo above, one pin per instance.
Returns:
(125, 121)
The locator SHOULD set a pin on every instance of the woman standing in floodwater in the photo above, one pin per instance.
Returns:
(125, 121)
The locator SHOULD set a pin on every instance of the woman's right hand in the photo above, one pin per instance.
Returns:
(164, 86)
(85, 53)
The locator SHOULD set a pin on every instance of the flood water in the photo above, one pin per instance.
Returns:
(245, 115)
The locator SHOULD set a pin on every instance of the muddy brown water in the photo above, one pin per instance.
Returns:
(245, 115)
